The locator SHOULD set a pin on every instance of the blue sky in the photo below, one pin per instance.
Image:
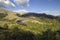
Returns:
(47, 6)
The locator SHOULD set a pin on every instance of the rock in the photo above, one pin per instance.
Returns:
(22, 22)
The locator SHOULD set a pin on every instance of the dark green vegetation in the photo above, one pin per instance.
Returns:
(38, 27)
(2, 15)
(17, 34)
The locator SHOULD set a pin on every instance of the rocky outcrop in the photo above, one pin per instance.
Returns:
(21, 22)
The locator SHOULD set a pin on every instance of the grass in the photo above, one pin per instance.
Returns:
(36, 29)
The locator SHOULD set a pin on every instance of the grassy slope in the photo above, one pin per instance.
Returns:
(36, 25)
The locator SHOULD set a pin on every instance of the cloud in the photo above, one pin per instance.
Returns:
(6, 3)
(21, 12)
(18, 11)
(23, 3)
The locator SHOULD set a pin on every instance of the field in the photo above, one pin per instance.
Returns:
(35, 28)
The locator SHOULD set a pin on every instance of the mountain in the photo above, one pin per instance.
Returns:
(12, 15)
(40, 15)
(29, 26)
(26, 17)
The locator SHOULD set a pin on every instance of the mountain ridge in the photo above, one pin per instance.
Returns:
(12, 15)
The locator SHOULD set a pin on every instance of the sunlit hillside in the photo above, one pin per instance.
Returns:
(11, 15)
(36, 25)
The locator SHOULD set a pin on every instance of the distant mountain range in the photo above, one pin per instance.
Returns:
(41, 15)
(28, 14)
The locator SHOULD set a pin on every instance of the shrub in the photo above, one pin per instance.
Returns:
(2, 15)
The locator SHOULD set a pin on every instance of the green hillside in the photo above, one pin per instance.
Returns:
(33, 28)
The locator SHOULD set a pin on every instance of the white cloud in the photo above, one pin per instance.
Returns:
(23, 3)
(20, 11)
(6, 3)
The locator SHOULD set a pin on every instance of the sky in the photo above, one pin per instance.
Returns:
(39, 6)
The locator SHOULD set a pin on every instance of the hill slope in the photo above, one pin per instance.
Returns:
(29, 26)
(34, 23)
(11, 15)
